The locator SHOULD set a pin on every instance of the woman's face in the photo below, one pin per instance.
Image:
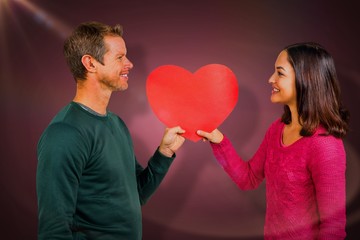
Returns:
(283, 82)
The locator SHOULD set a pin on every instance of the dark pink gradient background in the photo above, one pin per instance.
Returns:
(197, 200)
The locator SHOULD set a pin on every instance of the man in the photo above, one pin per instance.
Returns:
(89, 184)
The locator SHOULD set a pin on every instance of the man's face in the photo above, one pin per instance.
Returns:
(114, 73)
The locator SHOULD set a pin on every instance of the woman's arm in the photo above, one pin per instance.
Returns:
(327, 166)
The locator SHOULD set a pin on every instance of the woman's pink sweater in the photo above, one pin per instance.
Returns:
(305, 183)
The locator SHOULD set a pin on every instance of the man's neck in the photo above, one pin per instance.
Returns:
(92, 97)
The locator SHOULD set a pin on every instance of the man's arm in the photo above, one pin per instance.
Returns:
(150, 178)
(61, 158)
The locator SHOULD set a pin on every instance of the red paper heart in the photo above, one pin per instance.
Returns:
(202, 100)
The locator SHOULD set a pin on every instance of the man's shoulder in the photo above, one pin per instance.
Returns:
(61, 124)
(61, 114)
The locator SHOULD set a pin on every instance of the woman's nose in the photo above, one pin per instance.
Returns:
(271, 79)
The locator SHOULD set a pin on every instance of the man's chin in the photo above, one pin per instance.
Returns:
(121, 88)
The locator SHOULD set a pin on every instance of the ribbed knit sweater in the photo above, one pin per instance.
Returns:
(89, 183)
(305, 183)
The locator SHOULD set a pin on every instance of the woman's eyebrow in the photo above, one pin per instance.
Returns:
(281, 68)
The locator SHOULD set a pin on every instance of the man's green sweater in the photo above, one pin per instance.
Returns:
(89, 184)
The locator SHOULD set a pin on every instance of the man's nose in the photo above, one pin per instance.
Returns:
(129, 64)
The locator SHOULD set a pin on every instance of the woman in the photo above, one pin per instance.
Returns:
(302, 155)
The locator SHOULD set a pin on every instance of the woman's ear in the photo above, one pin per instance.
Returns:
(88, 62)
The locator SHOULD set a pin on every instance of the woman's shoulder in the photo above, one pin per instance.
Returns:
(276, 125)
(321, 141)
(274, 130)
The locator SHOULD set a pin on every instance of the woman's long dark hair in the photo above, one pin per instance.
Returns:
(318, 92)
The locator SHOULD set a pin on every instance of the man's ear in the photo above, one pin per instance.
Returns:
(89, 63)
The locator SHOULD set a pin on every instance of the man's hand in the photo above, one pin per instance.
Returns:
(171, 141)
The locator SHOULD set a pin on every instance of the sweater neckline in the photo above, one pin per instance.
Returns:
(89, 110)
(281, 138)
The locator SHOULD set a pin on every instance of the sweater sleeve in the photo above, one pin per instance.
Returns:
(246, 174)
(327, 167)
(149, 178)
(61, 158)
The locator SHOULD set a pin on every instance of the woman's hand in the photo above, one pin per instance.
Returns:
(215, 136)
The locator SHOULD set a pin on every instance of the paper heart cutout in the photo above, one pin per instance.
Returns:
(199, 101)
